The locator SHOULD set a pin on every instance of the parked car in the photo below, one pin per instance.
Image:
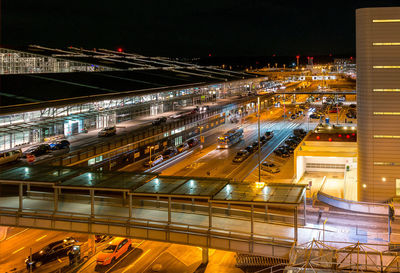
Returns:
(51, 252)
(333, 110)
(315, 116)
(255, 145)
(295, 138)
(299, 132)
(170, 152)
(152, 162)
(37, 150)
(101, 238)
(59, 144)
(271, 170)
(353, 106)
(293, 116)
(107, 131)
(291, 143)
(263, 139)
(115, 249)
(183, 147)
(192, 142)
(269, 135)
(177, 115)
(282, 153)
(288, 148)
(159, 121)
(249, 148)
(10, 156)
(268, 164)
(241, 156)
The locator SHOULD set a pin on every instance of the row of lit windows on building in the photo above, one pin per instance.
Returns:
(386, 136)
(387, 90)
(386, 113)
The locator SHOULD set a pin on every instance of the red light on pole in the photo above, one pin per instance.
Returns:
(318, 137)
(119, 49)
(347, 136)
(340, 135)
(330, 139)
(353, 134)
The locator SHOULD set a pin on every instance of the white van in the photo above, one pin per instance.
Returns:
(10, 155)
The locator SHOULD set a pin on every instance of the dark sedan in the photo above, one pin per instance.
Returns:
(37, 150)
(50, 253)
(59, 144)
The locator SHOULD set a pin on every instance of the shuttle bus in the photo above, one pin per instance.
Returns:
(229, 138)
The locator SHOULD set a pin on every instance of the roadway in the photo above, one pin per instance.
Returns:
(15, 247)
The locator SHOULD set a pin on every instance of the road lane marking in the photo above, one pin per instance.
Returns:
(18, 250)
(38, 239)
(131, 265)
(16, 234)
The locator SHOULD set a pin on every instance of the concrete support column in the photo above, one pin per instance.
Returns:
(130, 205)
(209, 214)
(193, 204)
(92, 203)
(229, 209)
(252, 221)
(266, 213)
(123, 198)
(305, 207)
(28, 187)
(296, 235)
(21, 193)
(169, 210)
(158, 201)
(92, 244)
(55, 199)
(204, 255)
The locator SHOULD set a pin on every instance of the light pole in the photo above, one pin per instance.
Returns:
(259, 150)
(150, 147)
(201, 137)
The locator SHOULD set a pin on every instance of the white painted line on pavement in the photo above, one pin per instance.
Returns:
(131, 265)
(18, 250)
(38, 239)
(17, 234)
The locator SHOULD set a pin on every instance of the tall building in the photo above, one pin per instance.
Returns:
(378, 103)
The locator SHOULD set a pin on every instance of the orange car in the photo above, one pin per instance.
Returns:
(115, 249)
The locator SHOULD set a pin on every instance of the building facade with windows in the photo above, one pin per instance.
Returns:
(378, 103)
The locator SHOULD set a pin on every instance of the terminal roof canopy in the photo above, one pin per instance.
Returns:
(122, 74)
(150, 184)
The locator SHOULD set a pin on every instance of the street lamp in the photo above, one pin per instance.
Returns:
(201, 137)
(259, 150)
(150, 147)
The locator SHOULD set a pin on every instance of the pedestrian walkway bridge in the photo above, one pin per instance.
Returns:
(217, 213)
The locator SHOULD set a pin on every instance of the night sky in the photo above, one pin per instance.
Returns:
(187, 28)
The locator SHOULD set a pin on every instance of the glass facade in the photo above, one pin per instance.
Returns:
(38, 126)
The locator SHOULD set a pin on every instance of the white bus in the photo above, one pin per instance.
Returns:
(229, 138)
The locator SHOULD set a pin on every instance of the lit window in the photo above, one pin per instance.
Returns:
(386, 21)
(386, 113)
(397, 186)
(386, 44)
(385, 136)
(386, 164)
(387, 66)
(387, 90)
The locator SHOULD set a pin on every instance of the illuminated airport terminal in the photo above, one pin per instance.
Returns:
(108, 87)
